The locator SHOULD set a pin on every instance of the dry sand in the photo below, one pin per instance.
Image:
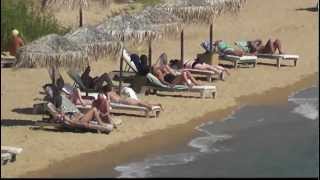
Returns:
(298, 31)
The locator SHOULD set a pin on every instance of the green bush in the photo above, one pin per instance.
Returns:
(28, 19)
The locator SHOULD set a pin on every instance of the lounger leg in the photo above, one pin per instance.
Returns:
(278, 62)
(209, 78)
(157, 114)
(295, 62)
(254, 64)
(214, 95)
(147, 114)
(202, 94)
(236, 64)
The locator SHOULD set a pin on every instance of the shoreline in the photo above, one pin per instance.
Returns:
(153, 141)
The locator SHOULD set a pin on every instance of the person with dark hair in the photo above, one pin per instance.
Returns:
(96, 82)
(114, 97)
(144, 65)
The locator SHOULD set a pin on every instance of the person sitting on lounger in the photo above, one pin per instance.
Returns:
(168, 76)
(226, 49)
(270, 47)
(108, 92)
(76, 117)
(96, 82)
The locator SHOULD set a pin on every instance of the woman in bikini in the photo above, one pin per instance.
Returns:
(168, 76)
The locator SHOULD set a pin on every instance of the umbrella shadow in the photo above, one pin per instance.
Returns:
(16, 122)
(205, 79)
(311, 9)
(274, 65)
(61, 130)
(127, 114)
(178, 96)
(28, 111)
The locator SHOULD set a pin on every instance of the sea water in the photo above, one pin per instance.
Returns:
(254, 141)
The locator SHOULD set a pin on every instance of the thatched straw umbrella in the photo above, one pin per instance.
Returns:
(72, 4)
(52, 51)
(147, 25)
(200, 11)
(94, 42)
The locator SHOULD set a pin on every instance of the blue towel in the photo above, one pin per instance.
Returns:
(206, 46)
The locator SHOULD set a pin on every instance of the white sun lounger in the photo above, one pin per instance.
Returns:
(9, 153)
(155, 109)
(237, 60)
(208, 74)
(279, 57)
(156, 85)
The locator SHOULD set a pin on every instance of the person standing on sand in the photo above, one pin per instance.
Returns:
(15, 43)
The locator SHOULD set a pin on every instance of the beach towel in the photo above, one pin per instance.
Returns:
(244, 45)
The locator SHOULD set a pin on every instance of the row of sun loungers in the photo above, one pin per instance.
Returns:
(116, 106)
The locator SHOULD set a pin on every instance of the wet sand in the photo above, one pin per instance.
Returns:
(43, 148)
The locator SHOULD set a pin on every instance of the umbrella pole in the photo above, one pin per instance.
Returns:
(150, 54)
(121, 69)
(53, 76)
(211, 39)
(181, 45)
(80, 16)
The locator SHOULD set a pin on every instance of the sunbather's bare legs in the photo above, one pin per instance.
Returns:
(89, 116)
(78, 100)
(216, 68)
(271, 47)
(185, 77)
(236, 52)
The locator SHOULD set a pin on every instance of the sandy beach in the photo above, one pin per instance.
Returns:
(297, 29)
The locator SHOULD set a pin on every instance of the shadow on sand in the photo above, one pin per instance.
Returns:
(311, 9)
(16, 122)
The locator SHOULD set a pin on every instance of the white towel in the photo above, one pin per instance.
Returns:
(129, 93)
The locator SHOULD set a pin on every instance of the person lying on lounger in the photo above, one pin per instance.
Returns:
(109, 94)
(270, 47)
(168, 76)
(197, 63)
(225, 48)
(96, 82)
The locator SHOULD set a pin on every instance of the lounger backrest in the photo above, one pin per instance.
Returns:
(77, 79)
(67, 89)
(154, 80)
(67, 106)
(128, 61)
